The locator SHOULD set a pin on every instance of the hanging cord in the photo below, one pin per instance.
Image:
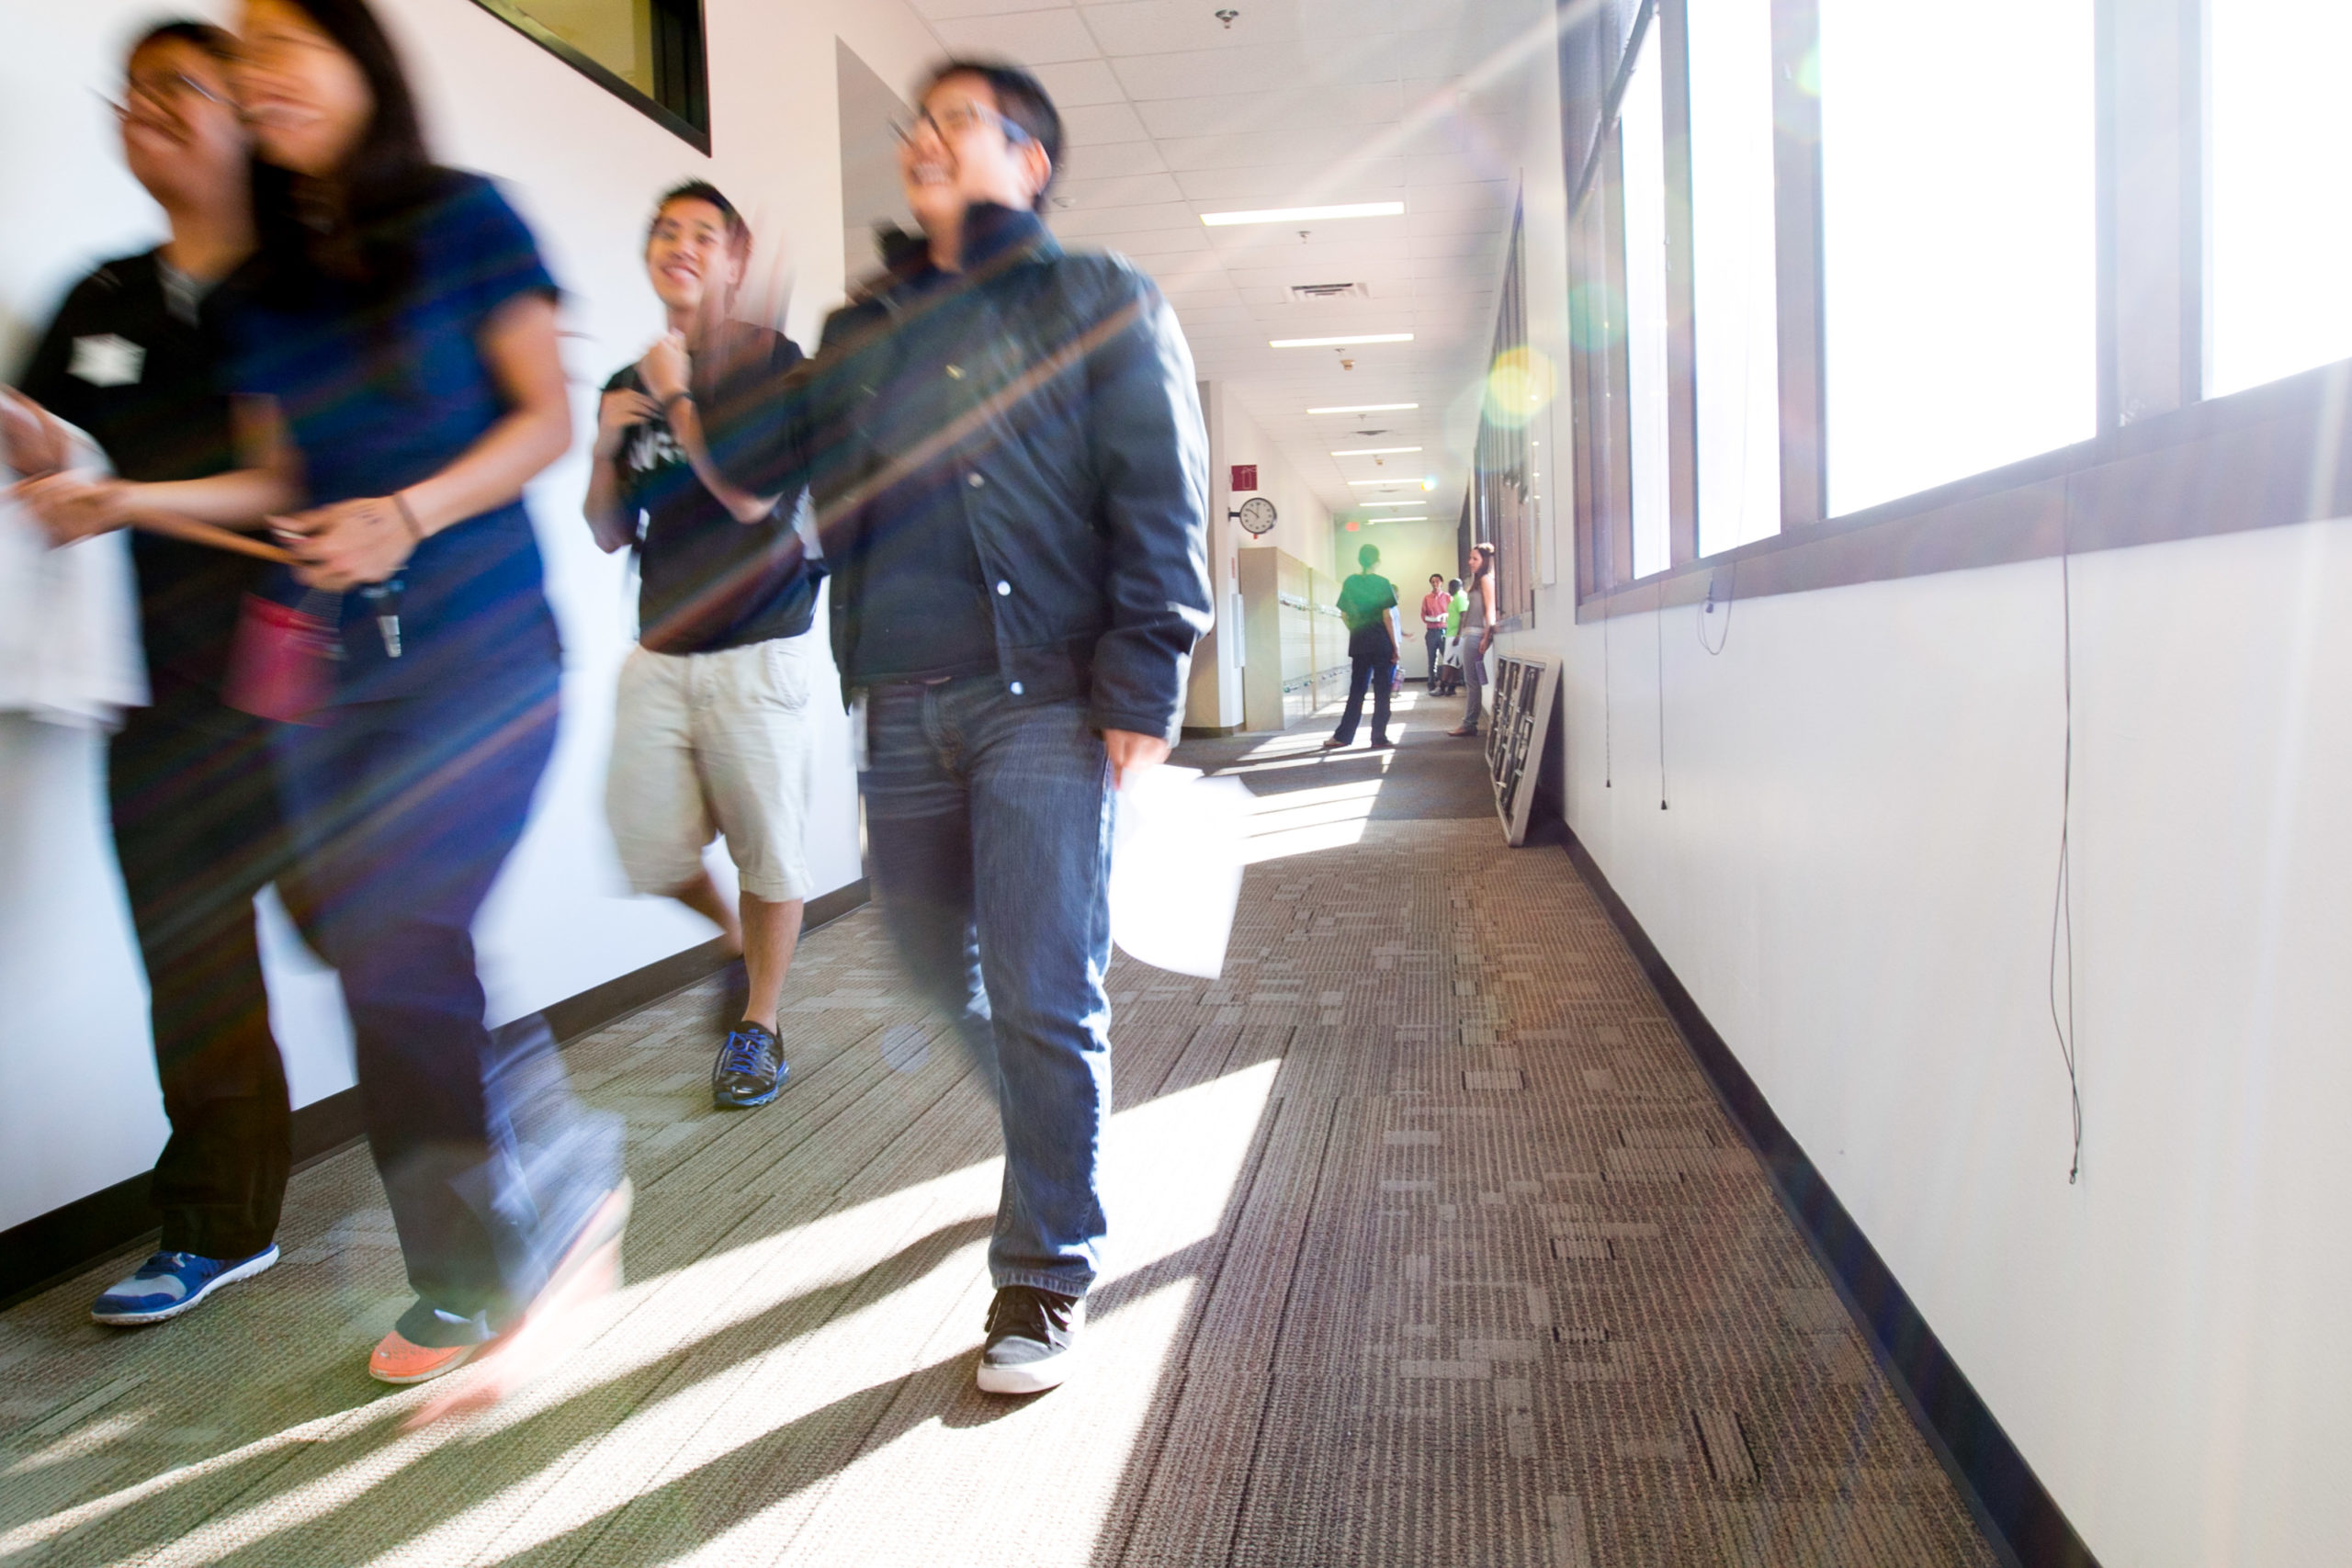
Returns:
(1608, 732)
(1659, 622)
(1731, 591)
(2061, 910)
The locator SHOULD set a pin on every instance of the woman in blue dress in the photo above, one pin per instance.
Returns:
(394, 349)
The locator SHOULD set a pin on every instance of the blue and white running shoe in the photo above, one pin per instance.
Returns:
(171, 1283)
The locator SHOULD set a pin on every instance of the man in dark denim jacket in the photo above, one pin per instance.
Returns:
(1004, 449)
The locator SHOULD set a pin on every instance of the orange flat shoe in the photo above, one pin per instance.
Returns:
(399, 1360)
(549, 1327)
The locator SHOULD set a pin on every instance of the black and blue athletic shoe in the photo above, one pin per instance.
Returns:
(749, 1070)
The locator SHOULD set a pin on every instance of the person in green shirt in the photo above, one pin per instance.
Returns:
(1368, 606)
(1455, 608)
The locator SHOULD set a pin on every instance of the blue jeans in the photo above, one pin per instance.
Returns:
(402, 812)
(989, 824)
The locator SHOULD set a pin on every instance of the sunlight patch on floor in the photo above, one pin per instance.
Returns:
(1303, 821)
(1171, 1167)
(1038, 1484)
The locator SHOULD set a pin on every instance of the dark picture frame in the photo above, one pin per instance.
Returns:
(681, 66)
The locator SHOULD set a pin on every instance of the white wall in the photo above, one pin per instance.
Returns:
(1303, 526)
(1855, 882)
(78, 1105)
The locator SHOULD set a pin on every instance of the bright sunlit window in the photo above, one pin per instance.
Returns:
(1735, 314)
(1641, 134)
(2279, 225)
(1958, 239)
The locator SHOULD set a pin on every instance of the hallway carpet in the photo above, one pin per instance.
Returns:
(1430, 1246)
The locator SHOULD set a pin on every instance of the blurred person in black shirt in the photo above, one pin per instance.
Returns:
(711, 731)
(131, 359)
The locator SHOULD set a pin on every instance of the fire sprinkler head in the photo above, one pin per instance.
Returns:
(1228, 17)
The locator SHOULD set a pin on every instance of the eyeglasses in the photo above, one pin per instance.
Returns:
(955, 120)
(158, 94)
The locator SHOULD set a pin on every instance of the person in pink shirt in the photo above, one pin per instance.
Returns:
(1433, 607)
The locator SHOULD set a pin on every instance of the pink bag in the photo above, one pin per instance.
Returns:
(281, 665)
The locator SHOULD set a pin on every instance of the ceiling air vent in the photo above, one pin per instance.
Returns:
(1313, 293)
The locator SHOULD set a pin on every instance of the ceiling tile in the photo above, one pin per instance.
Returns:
(1102, 219)
(1033, 38)
(1101, 160)
(1151, 242)
(1119, 190)
(1314, 143)
(1166, 27)
(1092, 125)
(1279, 186)
(1081, 81)
(1227, 112)
(1490, 194)
(1294, 73)
(940, 10)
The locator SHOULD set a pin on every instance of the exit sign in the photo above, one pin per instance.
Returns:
(1245, 476)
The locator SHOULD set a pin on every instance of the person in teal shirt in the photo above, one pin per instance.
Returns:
(1368, 606)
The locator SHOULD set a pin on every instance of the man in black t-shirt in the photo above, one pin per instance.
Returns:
(711, 731)
(196, 830)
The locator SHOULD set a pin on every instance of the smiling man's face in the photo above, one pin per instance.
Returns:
(960, 152)
(690, 255)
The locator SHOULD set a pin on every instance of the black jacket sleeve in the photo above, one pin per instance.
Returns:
(1149, 450)
(748, 398)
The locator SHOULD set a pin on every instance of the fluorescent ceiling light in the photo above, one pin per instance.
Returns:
(1368, 504)
(1338, 342)
(1304, 214)
(1422, 519)
(1365, 408)
(1390, 482)
(1374, 451)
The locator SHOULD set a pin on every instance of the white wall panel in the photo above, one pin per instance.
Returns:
(1854, 881)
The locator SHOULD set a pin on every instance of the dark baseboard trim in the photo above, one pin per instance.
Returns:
(62, 1242)
(1209, 731)
(2019, 1517)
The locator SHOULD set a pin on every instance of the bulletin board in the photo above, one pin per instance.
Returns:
(1517, 723)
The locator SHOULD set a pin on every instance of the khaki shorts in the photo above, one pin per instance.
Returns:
(712, 743)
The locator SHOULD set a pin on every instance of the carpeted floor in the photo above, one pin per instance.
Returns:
(1430, 1246)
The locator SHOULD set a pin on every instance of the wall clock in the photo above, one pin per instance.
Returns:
(1257, 515)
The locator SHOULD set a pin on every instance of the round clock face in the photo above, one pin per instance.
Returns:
(1258, 514)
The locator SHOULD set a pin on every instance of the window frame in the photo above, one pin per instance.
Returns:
(1497, 507)
(2165, 462)
(690, 123)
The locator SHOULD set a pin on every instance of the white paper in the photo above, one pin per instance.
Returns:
(69, 617)
(1176, 868)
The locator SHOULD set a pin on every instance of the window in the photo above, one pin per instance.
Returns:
(2003, 283)
(2280, 138)
(1959, 235)
(1641, 147)
(1500, 504)
(648, 53)
(1735, 316)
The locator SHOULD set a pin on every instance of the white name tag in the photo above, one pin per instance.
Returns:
(107, 361)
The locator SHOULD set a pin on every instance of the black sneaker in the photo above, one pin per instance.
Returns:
(1032, 1340)
(749, 1069)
